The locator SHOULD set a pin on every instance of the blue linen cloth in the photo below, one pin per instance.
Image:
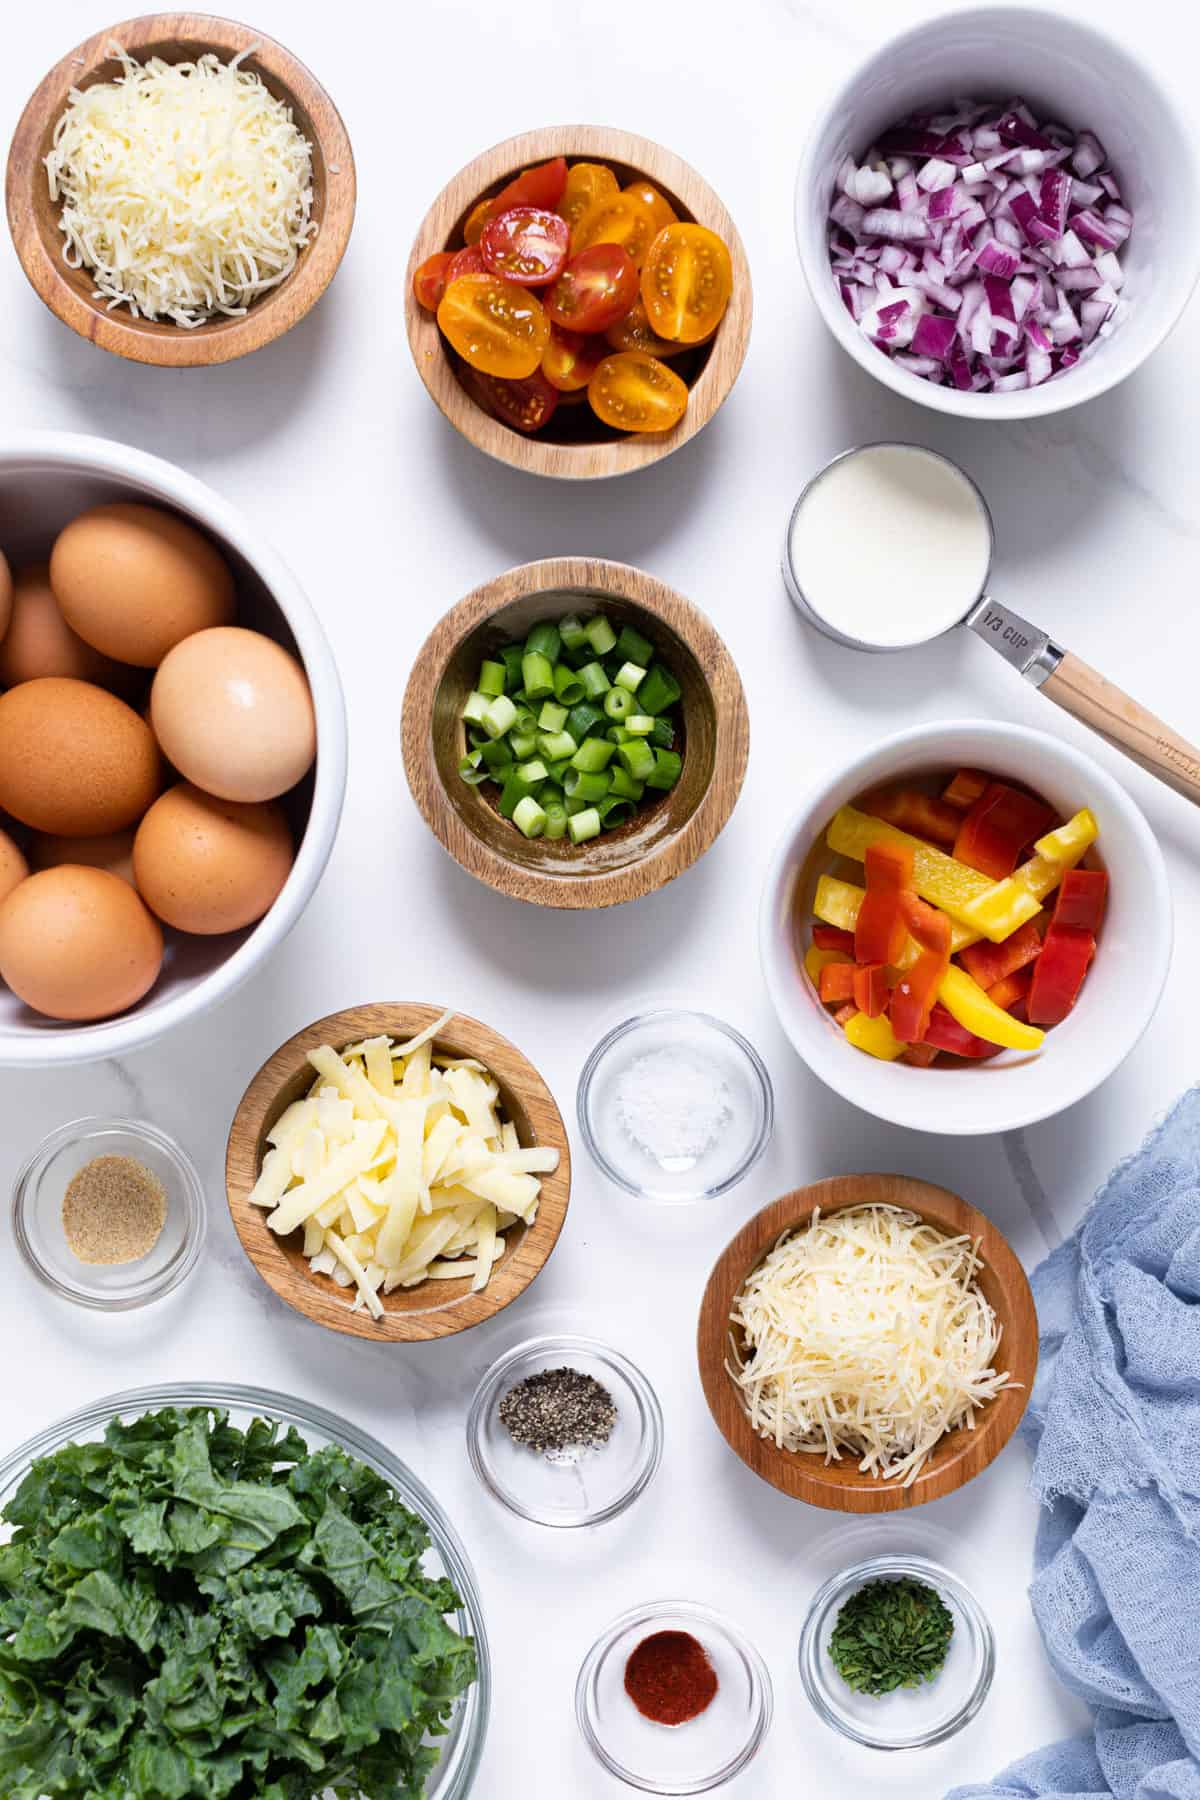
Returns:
(1115, 1425)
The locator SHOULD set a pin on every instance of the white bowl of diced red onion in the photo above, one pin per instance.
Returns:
(998, 213)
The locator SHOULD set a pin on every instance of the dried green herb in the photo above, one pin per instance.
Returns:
(891, 1634)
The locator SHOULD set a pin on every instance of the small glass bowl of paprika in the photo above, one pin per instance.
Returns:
(673, 1699)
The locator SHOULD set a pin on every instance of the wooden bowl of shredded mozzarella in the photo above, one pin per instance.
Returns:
(868, 1343)
(180, 190)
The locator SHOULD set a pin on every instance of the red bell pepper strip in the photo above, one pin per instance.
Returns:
(920, 1054)
(911, 810)
(945, 1033)
(966, 788)
(1069, 947)
(1002, 822)
(870, 989)
(1011, 989)
(832, 937)
(880, 930)
(989, 963)
(836, 983)
(844, 1014)
(915, 993)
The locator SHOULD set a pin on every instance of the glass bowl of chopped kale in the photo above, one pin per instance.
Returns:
(215, 1591)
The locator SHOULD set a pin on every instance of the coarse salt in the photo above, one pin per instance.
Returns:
(673, 1106)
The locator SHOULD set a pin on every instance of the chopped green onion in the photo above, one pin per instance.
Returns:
(511, 656)
(622, 784)
(575, 803)
(493, 678)
(581, 785)
(556, 818)
(571, 631)
(639, 725)
(666, 769)
(552, 716)
(614, 811)
(512, 793)
(629, 675)
(619, 703)
(583, 719)
(544, 640)
(496, 753)
(584, 825)
(475, 708)
(637, 758)
(537, 673)
(557, 746)
(473, 769)
(501, 716)
(600, 635)
(594, 681)
(529, 818)
(522, 743)
(558, 771)
(633, 647)
(594, 753)
(659, 690)
(567, 685)
(663, 735)
(533, 772)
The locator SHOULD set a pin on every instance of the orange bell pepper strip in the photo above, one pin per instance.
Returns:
(913, 810)
(815, 960)
(836, 984)
(1070, 946)
(879, 930)
(832, 937)
(999, 826)
(965, 789)
(989, 963)
(844, 1014)
(916, 992)
(869, 989)
(1009, 992)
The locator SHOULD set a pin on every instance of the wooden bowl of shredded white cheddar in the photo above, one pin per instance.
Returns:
(398, 1172)
(868, 1343)
(178, 198)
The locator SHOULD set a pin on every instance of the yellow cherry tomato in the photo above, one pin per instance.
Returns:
(635, 392)
(687, 279)
(633, 333)
(660, 207)
(587, 184)
(496, 326)
(630, 218)
(477, 218)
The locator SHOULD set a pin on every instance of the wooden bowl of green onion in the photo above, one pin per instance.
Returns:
(575, 733)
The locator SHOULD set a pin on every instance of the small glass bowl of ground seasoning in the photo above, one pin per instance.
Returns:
(675, 1106)
(673, 1699)
(565, 1431)
(896, 1653)
(109, 1213)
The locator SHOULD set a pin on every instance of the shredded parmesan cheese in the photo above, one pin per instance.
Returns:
(186, 188)
(866, 1333)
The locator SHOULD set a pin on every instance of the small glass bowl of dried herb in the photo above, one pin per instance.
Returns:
(896, 1653)
(565, 1431)
(109, 1213)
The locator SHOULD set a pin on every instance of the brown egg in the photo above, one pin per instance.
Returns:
(134, 580)
(40, 642)
(78, 944)
(13, 867)
(6, 593)
(207, 865)
(74, 760)
(113, 851)
(231, 709)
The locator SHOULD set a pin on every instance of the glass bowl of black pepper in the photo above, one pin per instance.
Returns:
(109, 1213)
(896, 1653)
(565, 1431)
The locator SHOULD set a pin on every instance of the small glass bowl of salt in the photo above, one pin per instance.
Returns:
(675, 1106)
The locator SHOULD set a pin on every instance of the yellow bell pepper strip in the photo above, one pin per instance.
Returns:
(966, 1001)
(815, 960)
(937, 877)
(837, 903)
(1009, 904)
(875, 1036)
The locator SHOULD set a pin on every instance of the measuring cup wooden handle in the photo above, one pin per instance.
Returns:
(1093, 700)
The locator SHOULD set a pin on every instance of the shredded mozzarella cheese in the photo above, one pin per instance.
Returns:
(186, 188)
(866, 1333)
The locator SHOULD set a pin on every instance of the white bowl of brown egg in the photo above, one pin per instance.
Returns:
(172, 749)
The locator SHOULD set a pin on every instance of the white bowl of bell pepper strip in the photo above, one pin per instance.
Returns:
(917, 1039)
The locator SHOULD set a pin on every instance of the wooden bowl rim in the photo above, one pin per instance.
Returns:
(640, 591)
(582, 461)
(145, 341)
(840, 1487)
(312, 1296)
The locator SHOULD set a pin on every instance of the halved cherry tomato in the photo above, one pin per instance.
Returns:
(686, 282)
(496, 326)
(633, 333)
(660, 207)
(542, 186)
(569, 360)
(525, 244)
(635, 392)
(594, 290)
(525, 405)
(629, 218)
(587, 185)
(429, 282)
(467, 261)
(477, 218)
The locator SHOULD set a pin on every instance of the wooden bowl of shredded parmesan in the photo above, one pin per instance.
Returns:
(180, 190)
(868, 1343)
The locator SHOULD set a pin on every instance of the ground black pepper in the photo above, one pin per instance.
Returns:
(559, 1413)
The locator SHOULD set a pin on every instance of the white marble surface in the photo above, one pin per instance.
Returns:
(329, 441)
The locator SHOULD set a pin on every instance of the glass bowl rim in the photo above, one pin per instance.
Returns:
(565, 1343)
(292, 1409)
(760, 1078)
(762, 1693)
(936, 1575)
(148, 1287)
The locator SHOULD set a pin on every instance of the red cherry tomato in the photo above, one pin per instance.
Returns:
(525, 405)
(569, 360)
(429, 282)
(525, 244)
(542, 186)
(597, 287)
(467, 261)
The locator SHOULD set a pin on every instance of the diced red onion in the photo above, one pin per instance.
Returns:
(978, 247)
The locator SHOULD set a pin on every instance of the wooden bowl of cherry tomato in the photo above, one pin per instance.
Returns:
(578, 302)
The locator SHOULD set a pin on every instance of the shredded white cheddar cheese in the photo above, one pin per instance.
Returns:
(398, 1169)
(186, 188)
(866, 1333)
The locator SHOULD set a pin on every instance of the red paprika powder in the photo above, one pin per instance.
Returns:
(669, 1677)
